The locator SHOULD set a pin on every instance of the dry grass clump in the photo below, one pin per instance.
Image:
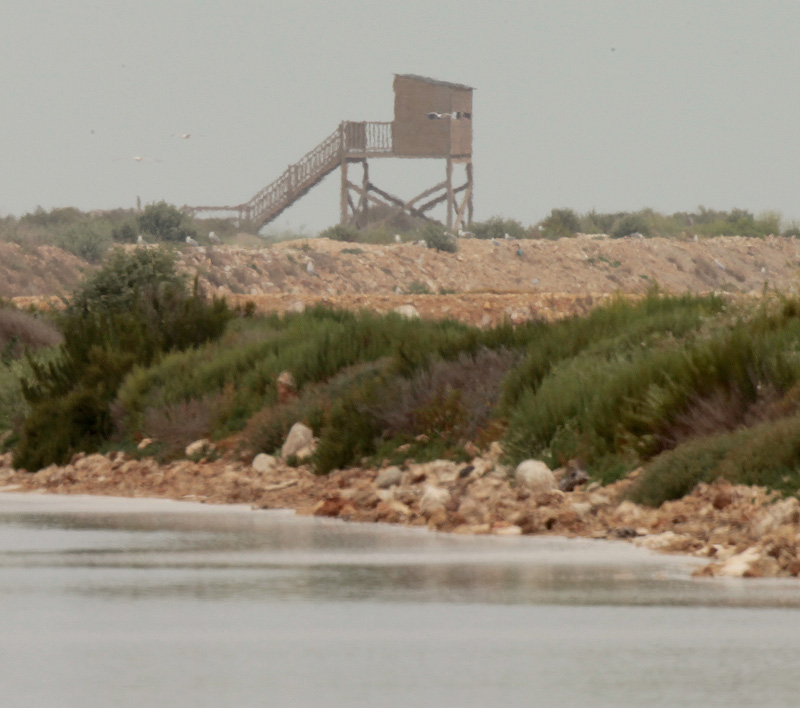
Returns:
(20, 329)
(453, 399)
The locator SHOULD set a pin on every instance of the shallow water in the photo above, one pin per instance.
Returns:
(116, 602)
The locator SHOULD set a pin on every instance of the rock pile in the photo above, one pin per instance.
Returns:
(742, 531)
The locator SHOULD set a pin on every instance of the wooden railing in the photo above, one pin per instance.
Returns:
(351, 140)
(367, 138)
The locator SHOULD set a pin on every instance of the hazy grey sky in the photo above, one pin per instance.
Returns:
(605, 104)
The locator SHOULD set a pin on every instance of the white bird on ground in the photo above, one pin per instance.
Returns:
(495, 242)
(422, 242)
(310, 268)
(191, 241)
(507, 237)
(465, 234)
(140, 240)
(397, 238)
(213, 237)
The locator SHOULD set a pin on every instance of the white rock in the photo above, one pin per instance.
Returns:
(628, 512)
(511, 530)
(198, 447)
(582, 509)
(408, 311)
(389, 477)
(305, 452)
(146, 442)
(659, 541)
(736, 566)
(535, 476)
(300, 436)
(473, 512)
(263, 463)
(783, 512)
(432, 499)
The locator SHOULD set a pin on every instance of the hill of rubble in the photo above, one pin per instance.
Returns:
(482, 283)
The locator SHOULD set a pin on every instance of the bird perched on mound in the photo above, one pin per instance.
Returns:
(397, 238)
(495, 242)
(191, 241)
(213, 237)
(140, 241)
(465, 234)
(310, 268)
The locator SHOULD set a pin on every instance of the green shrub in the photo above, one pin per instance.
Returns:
(85, 242)
(164, 222)
(340, 232)
(125, 233)
(124, 277)
(630, 224)
(437, 238)
(497, 227)
(560, 223)
(418, 287)
(110, 328)
(767, 454)
(630, 401)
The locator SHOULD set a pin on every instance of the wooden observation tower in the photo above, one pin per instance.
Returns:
(432, 120)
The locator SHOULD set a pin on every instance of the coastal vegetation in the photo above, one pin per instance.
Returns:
(688, 388)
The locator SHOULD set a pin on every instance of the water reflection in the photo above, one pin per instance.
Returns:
(163, 604)
(216, 553)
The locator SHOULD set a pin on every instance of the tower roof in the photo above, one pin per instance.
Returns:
(435, 82)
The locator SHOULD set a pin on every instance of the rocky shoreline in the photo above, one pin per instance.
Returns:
(741, 531)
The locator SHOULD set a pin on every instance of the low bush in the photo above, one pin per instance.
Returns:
(561, 223)
(454, 399)
(341, 232)
(20, 330)
(767, 454)
(438, 239)
(497, 227)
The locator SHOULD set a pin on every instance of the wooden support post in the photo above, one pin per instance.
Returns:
(363, 206)
(344, 196)
(471, 190)
(450, 196)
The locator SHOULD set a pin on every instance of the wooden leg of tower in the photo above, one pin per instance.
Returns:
(450, 196)
(343, 196)
(363, 205)
(470, 191)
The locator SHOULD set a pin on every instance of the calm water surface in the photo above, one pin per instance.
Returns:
(119, 602)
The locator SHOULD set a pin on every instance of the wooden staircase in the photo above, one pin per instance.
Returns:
(351, 141)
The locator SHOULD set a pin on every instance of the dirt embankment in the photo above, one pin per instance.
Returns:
(482, 283)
